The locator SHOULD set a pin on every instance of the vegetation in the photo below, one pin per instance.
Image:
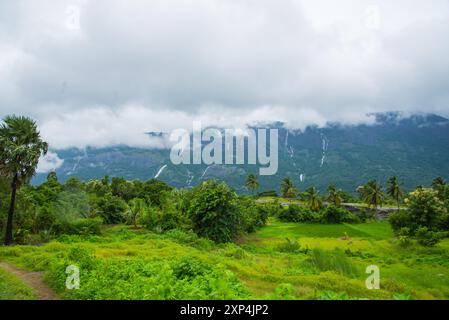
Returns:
(252, 183)
(11, 288)
(288, 189)
(372, 194)
(20, 149)
(148, 240)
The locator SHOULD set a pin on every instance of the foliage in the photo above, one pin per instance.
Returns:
(333, 214)
(252, 183)
(21, 146)
(372, 194)
(313, 199)
(11, 288)
(214, 212)
(334, 196)
(297, 213)
(335, 260)
(427, 238)
(111, 208)
(288, 189)
(394, 190)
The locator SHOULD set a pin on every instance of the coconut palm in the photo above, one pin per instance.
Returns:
(252, 183)
(20, 149)
(372, 194)
(314, 199)
(394, 190)
(288, 189)
(334, 195)
(136, 209)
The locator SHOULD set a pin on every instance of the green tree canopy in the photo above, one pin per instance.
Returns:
(21, 146)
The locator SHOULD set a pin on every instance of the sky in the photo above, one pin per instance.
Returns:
(104, 72)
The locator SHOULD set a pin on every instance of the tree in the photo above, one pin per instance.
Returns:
(438, 185)
(52, 177)
(425, 209)
(334, 195)
(252, 183)
(288, 189)
(314, 199)
(394, 190)
(136, 210)
(372, 194)
(21, 146)
(214, 211)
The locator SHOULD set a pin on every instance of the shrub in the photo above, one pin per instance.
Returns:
(111, 208)
(333, 214)
(90, 226)
(270, 209)
(285, 291)
(427, 238)
(401, 220)
(425, 209)
(150, 218)
(214, 212)
(189, 268)
(296, 213)
(290, 246)
(252, 216)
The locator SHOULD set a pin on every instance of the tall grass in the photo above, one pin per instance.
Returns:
(333, 261)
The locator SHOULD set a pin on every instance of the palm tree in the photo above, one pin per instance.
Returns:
(334, 196)
(252, 183)
(288, 189)
(372, 194)
(135, 210)
(20, 149)
(394, 190)
(314, 199)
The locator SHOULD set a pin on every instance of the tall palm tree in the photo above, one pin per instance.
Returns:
(372, 194)
(394, 190)
(288, 189)
(314, 199)
(20, 149)
(252, 183)
(334, 195)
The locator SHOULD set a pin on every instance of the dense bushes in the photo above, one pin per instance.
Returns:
(212, 209)
(330, 214)
(297, 213)
(143, 279)
(425, 217)
(333, 214)
(214, 212)
(90, 226)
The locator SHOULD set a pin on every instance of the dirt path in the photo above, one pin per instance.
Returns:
(33, 280)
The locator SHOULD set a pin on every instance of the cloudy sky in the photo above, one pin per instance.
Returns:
(104, 72)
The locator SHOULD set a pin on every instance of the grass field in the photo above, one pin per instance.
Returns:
(316, 262)
(11, 288)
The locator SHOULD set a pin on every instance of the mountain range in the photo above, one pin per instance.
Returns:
(415, 148)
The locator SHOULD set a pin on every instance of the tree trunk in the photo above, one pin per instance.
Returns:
(9, 224)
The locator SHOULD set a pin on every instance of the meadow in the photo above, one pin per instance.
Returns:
(279, 261)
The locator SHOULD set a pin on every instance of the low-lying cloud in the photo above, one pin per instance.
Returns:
(97, 73)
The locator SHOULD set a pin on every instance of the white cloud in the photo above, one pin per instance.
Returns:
(153, 65)
(49, 162)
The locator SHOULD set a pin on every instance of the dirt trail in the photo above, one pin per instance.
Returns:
(33, 280)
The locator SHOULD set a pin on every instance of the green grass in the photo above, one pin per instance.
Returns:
(12, 288)
(376, 230)
(316, 263)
